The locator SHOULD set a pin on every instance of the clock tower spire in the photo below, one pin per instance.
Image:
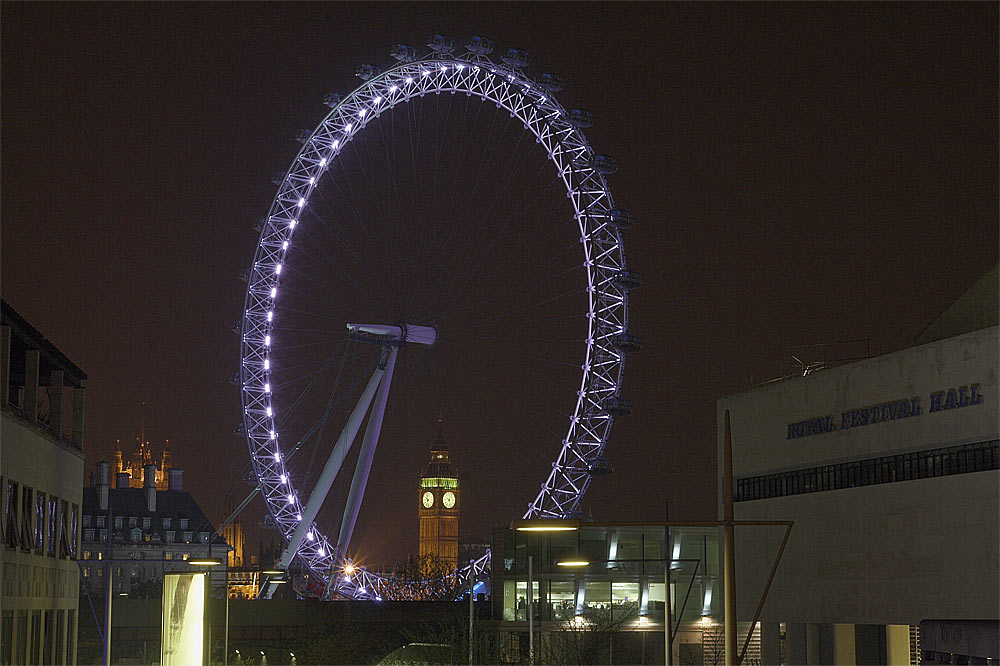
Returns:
(438, 507)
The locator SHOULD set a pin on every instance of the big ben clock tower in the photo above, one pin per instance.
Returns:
(438, 506)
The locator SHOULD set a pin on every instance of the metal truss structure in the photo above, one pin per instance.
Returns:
(560, 132)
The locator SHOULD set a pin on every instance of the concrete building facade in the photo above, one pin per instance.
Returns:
(890, 469)
(41, 481)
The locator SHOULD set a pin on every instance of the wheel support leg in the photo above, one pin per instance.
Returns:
(331, 469)
(366, 455)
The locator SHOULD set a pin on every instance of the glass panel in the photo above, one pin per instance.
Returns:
(40, 524)
(522, 599)
(74, 531)
(63, 540)
(597, 595)
(624, 599)
(26, 505)
(509, 603)
(562, 599)
(51, 518)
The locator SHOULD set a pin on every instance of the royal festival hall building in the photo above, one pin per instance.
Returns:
(889, 469)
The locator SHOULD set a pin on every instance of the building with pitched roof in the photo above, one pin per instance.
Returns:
(152, 532)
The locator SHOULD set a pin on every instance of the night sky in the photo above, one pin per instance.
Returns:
(801, 174)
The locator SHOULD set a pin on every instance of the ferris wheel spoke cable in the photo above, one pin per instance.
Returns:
(483, 322)
(329, 259)
(487, 153)
(515, 288)
(323, 287)
(350, 247)
(434, 236)
(503, 260)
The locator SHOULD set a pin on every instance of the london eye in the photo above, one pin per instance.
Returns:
(444, 240)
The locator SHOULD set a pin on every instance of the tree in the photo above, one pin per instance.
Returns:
(586, 639)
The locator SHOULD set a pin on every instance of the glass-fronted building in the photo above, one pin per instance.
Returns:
(602, 587)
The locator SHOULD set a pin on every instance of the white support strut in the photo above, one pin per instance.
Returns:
(328, 475)
(367, 453)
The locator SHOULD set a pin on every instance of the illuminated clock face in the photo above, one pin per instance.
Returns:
(427, 500)
(448, 499)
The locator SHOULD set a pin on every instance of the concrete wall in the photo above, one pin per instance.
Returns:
(32, 458)
(760, 417)
(894, 553)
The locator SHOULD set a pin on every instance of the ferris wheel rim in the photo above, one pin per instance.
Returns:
(587, 189)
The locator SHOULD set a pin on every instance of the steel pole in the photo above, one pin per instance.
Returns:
(531, 618)
(109, 590)
(729, 563)
(668, 611)
(472, 588)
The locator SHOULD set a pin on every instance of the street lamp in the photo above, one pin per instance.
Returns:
(546, 525)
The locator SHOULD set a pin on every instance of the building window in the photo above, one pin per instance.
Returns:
(136, 534)
(168, 556)
(132, 521)
(53, 525)
(146, 523)
(119, 522)
(74, 530)
(63, 529)
(166, 523)
(39, 536)
(203, 537)
(10, 515)
(185, 556)
(86, 572)
(88, 535)
(86, 520)
(978, 457)
(27, 540)
(184, 523)
(169, 536)
(188, 536)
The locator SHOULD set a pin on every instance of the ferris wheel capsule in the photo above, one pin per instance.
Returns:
(403, 52)
(366, 72)
(332, 99)
(627, 279)
(479, 45)
(580, 118)
(600, 466)
(516, 58)
(441, 43)
(604, 164)
(302, 135)
(278, 177)
(549, 82)
(615, 405)
(620, 219)
(626, 342)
